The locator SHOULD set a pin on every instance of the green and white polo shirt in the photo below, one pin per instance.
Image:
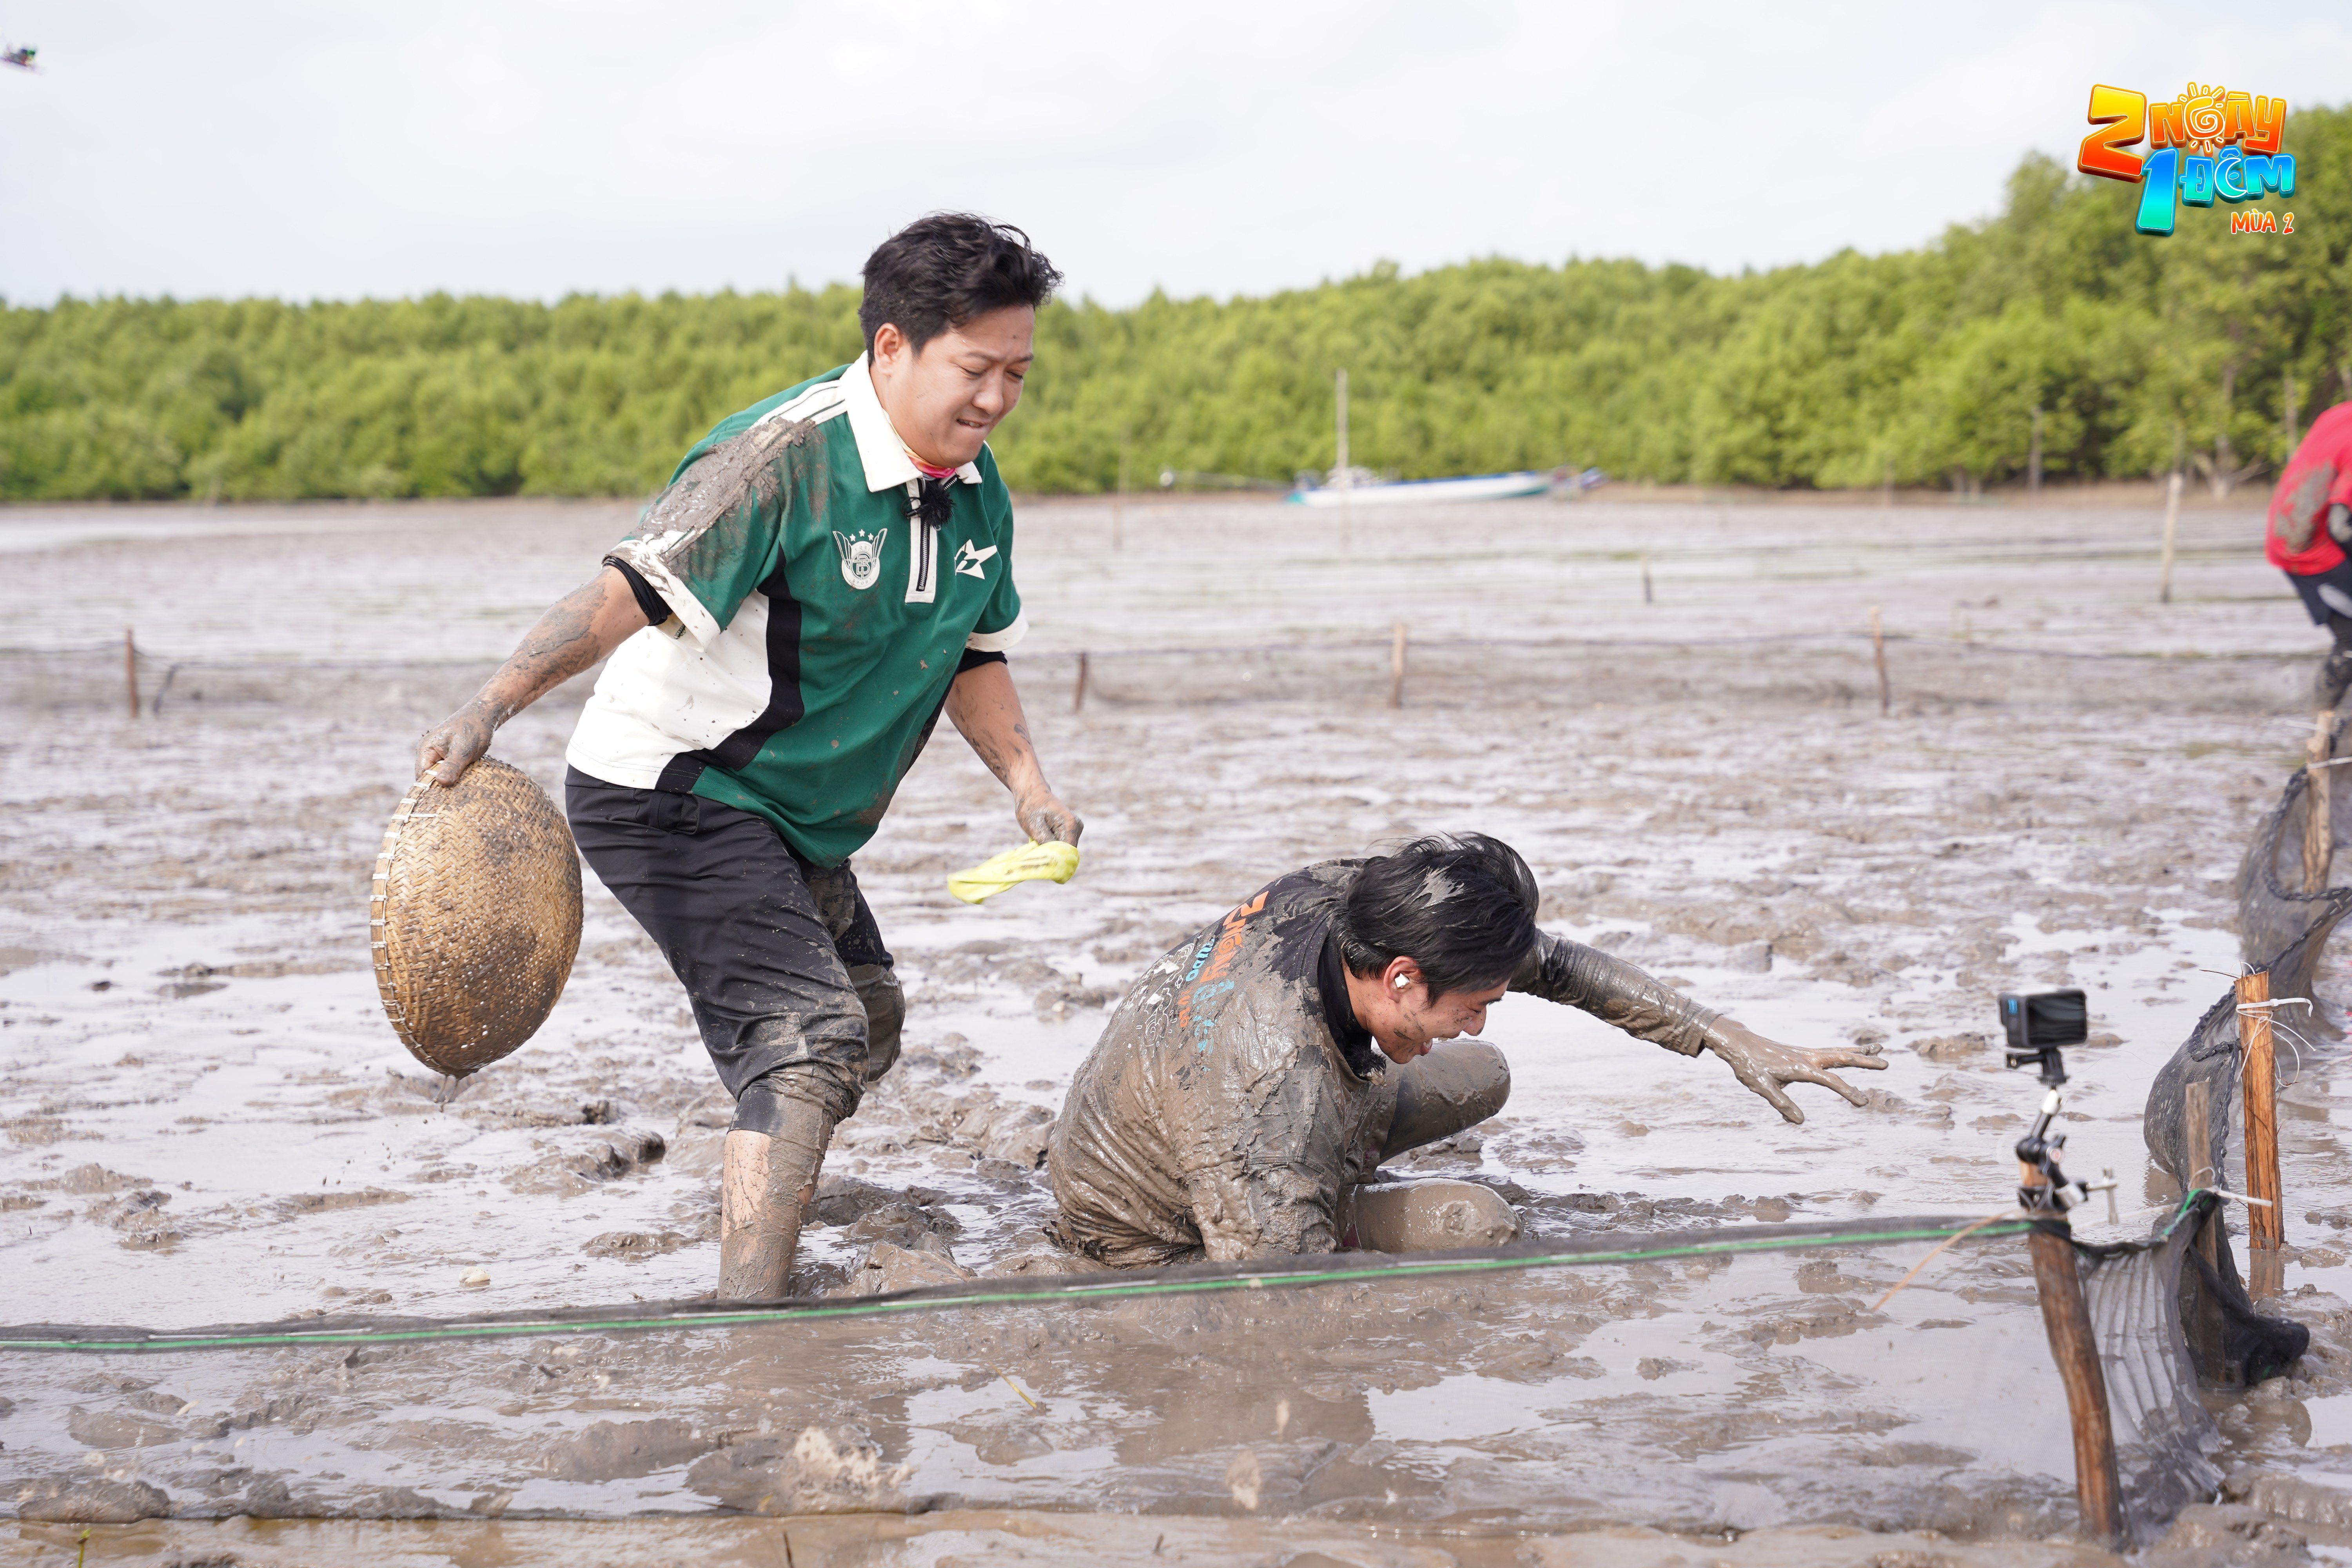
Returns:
(814, 624)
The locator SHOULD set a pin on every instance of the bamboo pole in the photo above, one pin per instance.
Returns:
(2171, 533)
(2066, 1320)
(2318, 785)
(1078, 697)
(1646, 597)
(131, 669)
(2204, 1328)
(2033, 462)
(1396, 669)
(1340, 476)
(1118, 502)
(1344, 476)
(1878, 652)
(2265, 1225)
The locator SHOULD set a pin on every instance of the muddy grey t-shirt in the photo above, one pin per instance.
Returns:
(1219, 1115)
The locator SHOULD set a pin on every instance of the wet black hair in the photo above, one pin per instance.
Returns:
(1461, 905)
(942, 270)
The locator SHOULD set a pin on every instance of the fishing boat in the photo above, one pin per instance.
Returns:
(1347, 486)
(1474, 487)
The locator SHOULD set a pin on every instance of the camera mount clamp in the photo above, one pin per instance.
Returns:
(2036, 1028)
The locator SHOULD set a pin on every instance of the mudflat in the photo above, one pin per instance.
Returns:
(205, 1118)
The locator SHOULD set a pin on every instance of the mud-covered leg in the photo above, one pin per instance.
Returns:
(2334, 671)
(850, 921)
(885, 1015)
(767, 1181)
(1458, 1084)
(2327, 691)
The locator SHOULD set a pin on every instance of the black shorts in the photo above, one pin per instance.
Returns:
(2327, 593)
(762, 941)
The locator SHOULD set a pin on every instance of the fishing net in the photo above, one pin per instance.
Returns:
(2172, 1312)
(2165, 1437)
(1816, 669)
(2283, 925)
(1538, 1378)
(1194, 1279)
(2284, 931)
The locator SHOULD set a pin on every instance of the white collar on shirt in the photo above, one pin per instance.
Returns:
(888, 466)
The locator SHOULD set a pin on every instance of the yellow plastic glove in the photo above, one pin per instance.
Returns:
(1030, 863)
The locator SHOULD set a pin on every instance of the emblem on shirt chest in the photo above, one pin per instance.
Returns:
(971, 562)
(861, 557)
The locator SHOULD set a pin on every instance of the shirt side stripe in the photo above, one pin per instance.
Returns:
(816, 405)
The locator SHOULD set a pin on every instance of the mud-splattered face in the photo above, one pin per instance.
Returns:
(945, 398)
(1403, 1015)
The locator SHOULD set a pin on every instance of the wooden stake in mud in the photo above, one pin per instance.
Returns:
(131, 669)
(1119, 504)
(2033, 458)
(2203, 1326)
(1396, 669)
(2066, 1318)
(1344, 476)
(2266, 1226)
(1646, 597)
(2097, 1490)
(2318, 831)
(1079, 698)
(2172, 533)
(1878, 652)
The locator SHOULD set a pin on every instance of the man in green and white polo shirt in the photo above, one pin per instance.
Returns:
(827, 572)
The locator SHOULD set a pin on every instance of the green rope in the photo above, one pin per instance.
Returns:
(910, 1301)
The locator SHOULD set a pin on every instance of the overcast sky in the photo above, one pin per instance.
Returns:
(308, 149)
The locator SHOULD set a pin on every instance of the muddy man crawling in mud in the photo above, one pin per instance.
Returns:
(1256, 1073)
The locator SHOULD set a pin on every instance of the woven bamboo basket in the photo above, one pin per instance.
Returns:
(473, 916)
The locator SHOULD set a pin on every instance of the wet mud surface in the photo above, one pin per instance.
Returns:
(205, 1118)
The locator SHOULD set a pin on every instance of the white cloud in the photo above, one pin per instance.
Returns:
(1216, 148)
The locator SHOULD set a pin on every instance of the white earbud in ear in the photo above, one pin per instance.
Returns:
(1403, 983)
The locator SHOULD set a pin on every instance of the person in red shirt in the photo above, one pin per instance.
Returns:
(2310, 527)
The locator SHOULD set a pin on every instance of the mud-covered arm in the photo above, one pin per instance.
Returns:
(985, 707)
(1269, 1142)
(580, 629)
(1284, 1206)
(1615, 992)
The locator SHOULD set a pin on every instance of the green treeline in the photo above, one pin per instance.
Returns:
(1924, 366)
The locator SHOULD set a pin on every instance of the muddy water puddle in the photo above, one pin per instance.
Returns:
(1549, 1397)
(203, 1118)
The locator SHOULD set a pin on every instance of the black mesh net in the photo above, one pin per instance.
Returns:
(2165, 1437)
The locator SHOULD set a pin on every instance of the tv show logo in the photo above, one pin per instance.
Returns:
(2207, 142)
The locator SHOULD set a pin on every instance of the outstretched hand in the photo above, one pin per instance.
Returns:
(1767, 1067)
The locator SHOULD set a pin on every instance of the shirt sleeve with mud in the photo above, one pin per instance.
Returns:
(1269, 1143)
(1615, 992)
(711, 539)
